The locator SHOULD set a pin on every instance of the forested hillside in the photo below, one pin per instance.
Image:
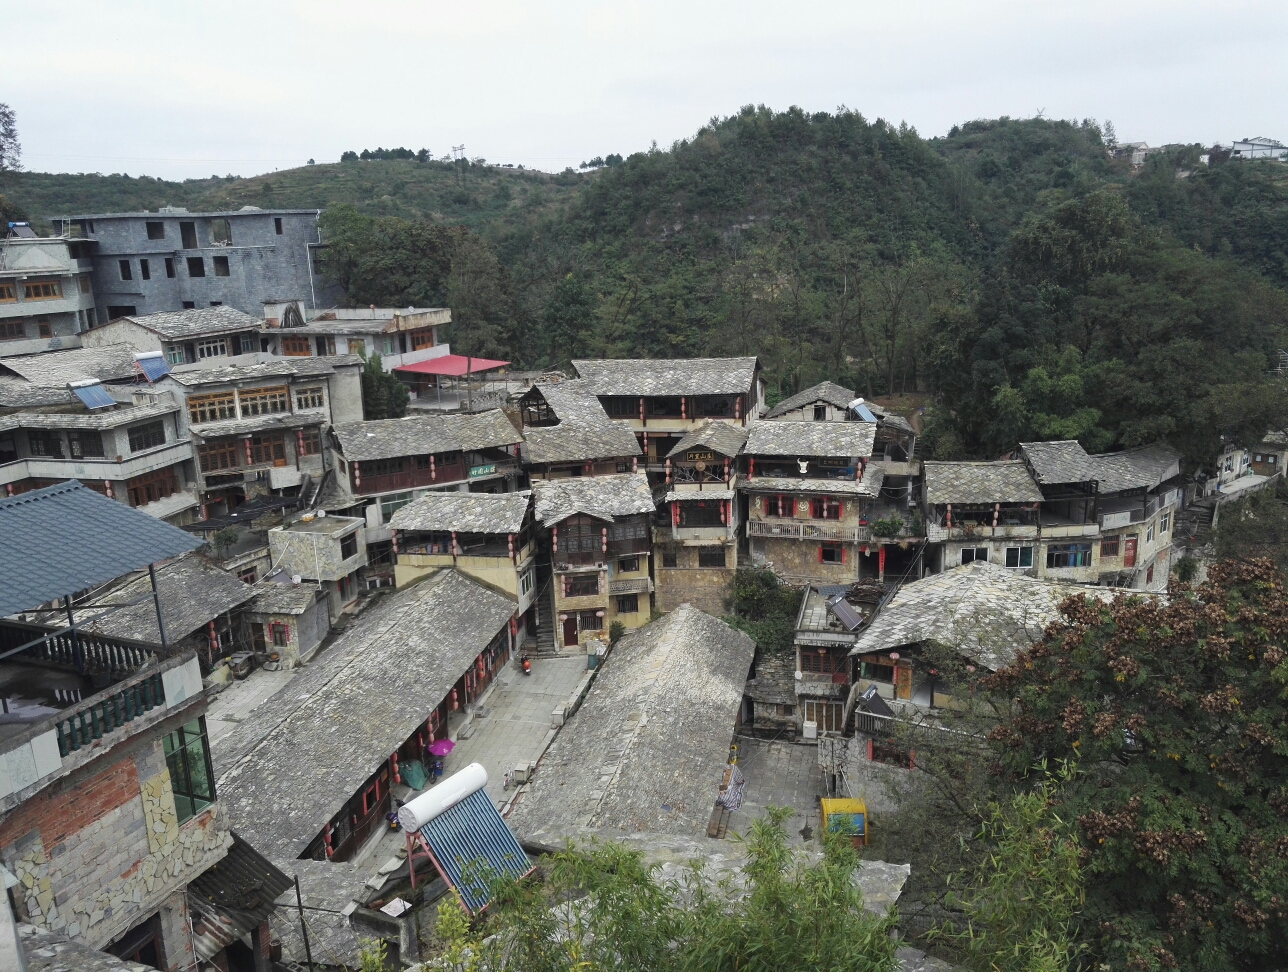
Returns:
(1033, 286)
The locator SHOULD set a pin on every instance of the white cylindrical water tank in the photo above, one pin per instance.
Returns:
(443, 797)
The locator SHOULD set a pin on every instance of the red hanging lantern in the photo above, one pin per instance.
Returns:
(393, 767)
(433, 473)
(455, 703)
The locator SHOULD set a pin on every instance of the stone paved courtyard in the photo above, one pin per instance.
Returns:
(779, 774)
(518, 717)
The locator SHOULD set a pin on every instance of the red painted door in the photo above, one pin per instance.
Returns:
(570, 632)
(1129, 552)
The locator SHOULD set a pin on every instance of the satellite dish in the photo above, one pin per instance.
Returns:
(295, 579)
(321, 513)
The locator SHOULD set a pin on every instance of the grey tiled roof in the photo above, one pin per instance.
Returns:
(93, 420)
(57, 368)
(295, 761)
(48, 951)
(192, 591)
(273, 598)
(67, 538)
(870, 485)
(667, 376)
(250, 369)
(722, 437)
(822, 439)
(280, 420)
(605, 497)
(418, 435)
(984, 611)
(584, 431)
(197, 322)
(1065, 461)
(20, 393)
(1141, 468)
(646, 750)
(464, 513)
(699, 495)
(1007, 481)
(824, 391)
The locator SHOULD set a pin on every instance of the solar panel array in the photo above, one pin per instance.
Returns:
(472, 846)
(93, 396)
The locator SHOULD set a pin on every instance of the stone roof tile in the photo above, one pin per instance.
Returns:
(197, 322)
(1007, 481)
(418, 435)
(604, 497)
(820, 439)
(668, 376)
(824, 391)
(720, 436)
(464, 513)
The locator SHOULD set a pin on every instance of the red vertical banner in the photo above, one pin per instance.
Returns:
(881, 559)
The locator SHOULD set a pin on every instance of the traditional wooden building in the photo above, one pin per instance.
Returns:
(566, 433)
(981, 511)
(661, 401)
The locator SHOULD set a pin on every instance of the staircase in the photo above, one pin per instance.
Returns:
(1194, 523)
(547, 635)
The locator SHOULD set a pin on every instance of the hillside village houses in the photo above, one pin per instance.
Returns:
(378, 578)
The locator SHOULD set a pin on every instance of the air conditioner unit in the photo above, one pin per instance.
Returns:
(810, 730)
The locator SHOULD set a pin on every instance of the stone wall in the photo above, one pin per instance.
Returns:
(103, 849)
(798, 559)
(708, 589)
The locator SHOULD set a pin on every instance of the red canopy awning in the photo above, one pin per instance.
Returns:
(453, 365)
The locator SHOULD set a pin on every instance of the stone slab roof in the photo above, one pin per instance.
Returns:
(668, 377)
(464, 513)
(605, 497)
(197, 322)
(251, 369)
(824, 391)
(820, 439)
(646, 750)
(984, 611)
(584, 431)
(273, 598)
(48, 951)
(418, 435)
(968, 483)
(192, 590)
(869, 485)
(56, 369)
(93, 420)
(286, 770)
(1065, 461)
(20, 393)
(723, 437)
(699, 495)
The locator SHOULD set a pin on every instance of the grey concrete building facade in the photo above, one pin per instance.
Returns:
(46, 294)
(144, 263)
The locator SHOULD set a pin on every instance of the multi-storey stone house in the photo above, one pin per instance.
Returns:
(981, 511)
(696, 532)
(810, 490)
(183, 337)
(1107, 518)
(662, 401)
(490, 537)
(597, 532)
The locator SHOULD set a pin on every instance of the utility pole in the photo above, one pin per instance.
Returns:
(458, 157)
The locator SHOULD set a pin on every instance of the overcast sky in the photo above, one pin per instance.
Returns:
(190, 89)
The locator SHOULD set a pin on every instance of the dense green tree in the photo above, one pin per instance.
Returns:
(1175, 714)
(383, 395)
(10, 147)
(387, 261)
(602, 907)
(569, 318)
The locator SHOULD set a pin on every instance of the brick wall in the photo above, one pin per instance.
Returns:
(104, 849)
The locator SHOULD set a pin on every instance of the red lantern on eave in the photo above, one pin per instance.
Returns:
(455, 703)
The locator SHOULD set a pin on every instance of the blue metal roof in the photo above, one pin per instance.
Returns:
(93, 395)
(65, 538)
(472, 845)
(864, 412)
(152, 365)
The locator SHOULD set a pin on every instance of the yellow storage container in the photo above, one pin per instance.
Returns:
(845, 816)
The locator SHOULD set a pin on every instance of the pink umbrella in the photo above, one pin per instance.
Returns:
(442, 747)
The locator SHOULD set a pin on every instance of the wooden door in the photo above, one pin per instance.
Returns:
(1129, 552)
(570, 632)
(903, 682)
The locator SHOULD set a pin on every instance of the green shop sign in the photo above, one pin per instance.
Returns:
(488, 470)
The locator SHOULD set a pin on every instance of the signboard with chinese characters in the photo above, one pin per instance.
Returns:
(486, 470)
(699, 455)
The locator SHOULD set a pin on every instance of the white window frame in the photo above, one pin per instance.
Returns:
(212, 348)
(1164, 522)
(174, 354)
